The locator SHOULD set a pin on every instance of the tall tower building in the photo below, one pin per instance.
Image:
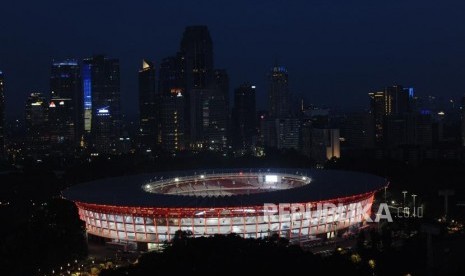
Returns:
(197, 66)
(392, 101)
(66, 117)
(2, 116)
(171, 76)
(221, 82)
(208, 124)
(102, 106)
(219, 110)
(147, 105)
(279, 99)
(462, 113)
(244, 117)
(378, 111)
(36, 122)
(171, 121)
(197, 52)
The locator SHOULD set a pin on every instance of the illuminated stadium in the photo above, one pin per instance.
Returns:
(146, 210)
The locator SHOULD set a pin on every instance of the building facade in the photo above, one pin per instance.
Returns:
(66, 105)
(102, 106)
(2, 116)
(244, 118)
(148, 126)
(36, 122)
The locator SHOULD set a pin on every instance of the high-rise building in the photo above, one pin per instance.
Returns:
(208, 120)
(279, 98)
(61, 126)
(219, 108)
(377, 109)
(171, 120)
(268, 131)
(36, 122)
(171, 104)
(66, 117)
(147, 106)
(221, 82)
(244, 118)
(462, 113)
(325, 144)
(288, 132)
(102, 106)
(2, 116)
(393, 100)
(359, 131)
(423, 130)
(197, 52)
(171, 76)
(196, 56)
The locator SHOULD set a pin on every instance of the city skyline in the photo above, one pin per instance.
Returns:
(336, 67)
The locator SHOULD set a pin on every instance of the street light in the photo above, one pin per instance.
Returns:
(404, 192)
(385, 187)
(414, 195)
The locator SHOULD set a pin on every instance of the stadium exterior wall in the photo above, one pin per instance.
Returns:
(157, 225)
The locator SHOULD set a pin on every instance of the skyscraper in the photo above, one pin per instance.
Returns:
(221, 82)
(37, 125)
(171, 119)
(393, 100)
(279, 98)
(288, 132)
(462, 114)
(244, 117)
(359, 131)
(377, 109)
(219, 109)
(325, 144)
(196, 56)
(171, 76)
(208, 124)
(61, 126)
(147, 106)
(66, 117)
(2, 117)
(197, 52)
(102, 107)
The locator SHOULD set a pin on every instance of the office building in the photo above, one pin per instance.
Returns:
(36, 122)
(147, 106)
(171, 122)
(244, 118)
(393, 100)
(102, 107)
(2, 116)
(66, 105)
(279, 99)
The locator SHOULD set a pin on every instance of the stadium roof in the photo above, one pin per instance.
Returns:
(128, 191)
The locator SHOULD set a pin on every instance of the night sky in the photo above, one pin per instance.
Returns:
(336, 51)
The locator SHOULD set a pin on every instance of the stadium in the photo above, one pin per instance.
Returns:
(143, 211)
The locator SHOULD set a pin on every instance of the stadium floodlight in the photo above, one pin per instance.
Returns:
(271, 178)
